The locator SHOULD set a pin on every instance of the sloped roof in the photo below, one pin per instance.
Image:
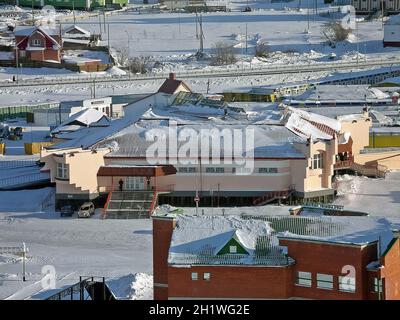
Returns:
(311, 125)
(75, 27)
(83, 118)
(196, 239)
(170, 86)
(47, 32)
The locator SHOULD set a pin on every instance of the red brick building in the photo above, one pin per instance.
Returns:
(38, 44)
(286, 257)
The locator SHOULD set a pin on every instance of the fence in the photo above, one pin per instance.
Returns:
(228, 71)
(12, 164)
(13, 112)
(23, 179)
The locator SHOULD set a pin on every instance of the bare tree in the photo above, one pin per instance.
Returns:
(335, 32)
(223, 54)
(140, 64)
(123, 56)
(263, 50)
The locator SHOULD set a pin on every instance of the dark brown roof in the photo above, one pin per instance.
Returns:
(169, 86)
(143, 171)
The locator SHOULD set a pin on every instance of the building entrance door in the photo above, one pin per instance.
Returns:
(134, 183)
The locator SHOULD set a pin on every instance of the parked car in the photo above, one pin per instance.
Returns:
(66, 211)
(18, 131)
(86, 210)
(4, 130)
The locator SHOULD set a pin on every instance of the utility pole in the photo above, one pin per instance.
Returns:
(108, 40)
(197, 30)
(23, 261)
(73, 11)
(208, 86)
(308, 17)
(33, 15)
(358, 43)
(16, 59)
(246, 37)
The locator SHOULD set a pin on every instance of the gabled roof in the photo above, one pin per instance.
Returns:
(43, 30)
(79, 29)
(171, 85)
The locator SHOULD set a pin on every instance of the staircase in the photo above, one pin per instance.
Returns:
(133, 204)
(272, 196)
(377, 171)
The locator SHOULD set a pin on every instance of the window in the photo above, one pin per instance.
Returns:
(207, 276)
(267, 170)
(377, 286)
(303, 279)
(62, 171)
(318, 161)
(347, 284)
(219, 170)
(232, 249)
(324, 281)
(36, 42)
(186, 169)
(194, 276)
(210, 170)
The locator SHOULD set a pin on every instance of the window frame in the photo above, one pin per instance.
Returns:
(194, 276)
(205, 278)
(324, 281)
(299, 277)
(62, 171)
(352, 285)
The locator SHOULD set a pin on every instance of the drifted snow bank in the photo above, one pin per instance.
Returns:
(347, 184)
(25, 200)
(138, 286)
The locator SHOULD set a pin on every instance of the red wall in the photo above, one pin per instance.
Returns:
(230, 282)
(317, 257)
(162, 233)
(391, 272)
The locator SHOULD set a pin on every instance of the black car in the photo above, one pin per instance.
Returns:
(66, 211)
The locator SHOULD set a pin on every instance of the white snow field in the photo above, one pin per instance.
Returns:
(378, 197)
(75, 247)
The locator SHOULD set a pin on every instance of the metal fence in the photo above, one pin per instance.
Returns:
(13, 112)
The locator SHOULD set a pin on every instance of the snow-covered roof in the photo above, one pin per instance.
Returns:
(87, 137)
(82, 32)
(311, 125)
(27, 31)
(393, 20)
(199, 239)
(83, 118)
(342, 93)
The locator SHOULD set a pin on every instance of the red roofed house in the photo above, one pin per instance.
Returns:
(38, 44)
(172, 86)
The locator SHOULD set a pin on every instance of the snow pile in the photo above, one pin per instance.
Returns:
(115, 71)
(347, 184)
(138, 286)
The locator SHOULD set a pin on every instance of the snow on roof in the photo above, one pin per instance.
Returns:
(269, 141)
(198, 239)
(342, 93)
(395, 19)
(27, 31)
(83, 118)
(75, 27)
(311, 125)
(87, 137)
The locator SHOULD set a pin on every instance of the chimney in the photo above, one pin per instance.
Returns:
(172, 76)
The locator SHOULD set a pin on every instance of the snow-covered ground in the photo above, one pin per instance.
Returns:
(378, 197)
(170, 38)
(89, 247)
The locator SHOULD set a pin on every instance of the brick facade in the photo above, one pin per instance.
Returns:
(269, 282)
